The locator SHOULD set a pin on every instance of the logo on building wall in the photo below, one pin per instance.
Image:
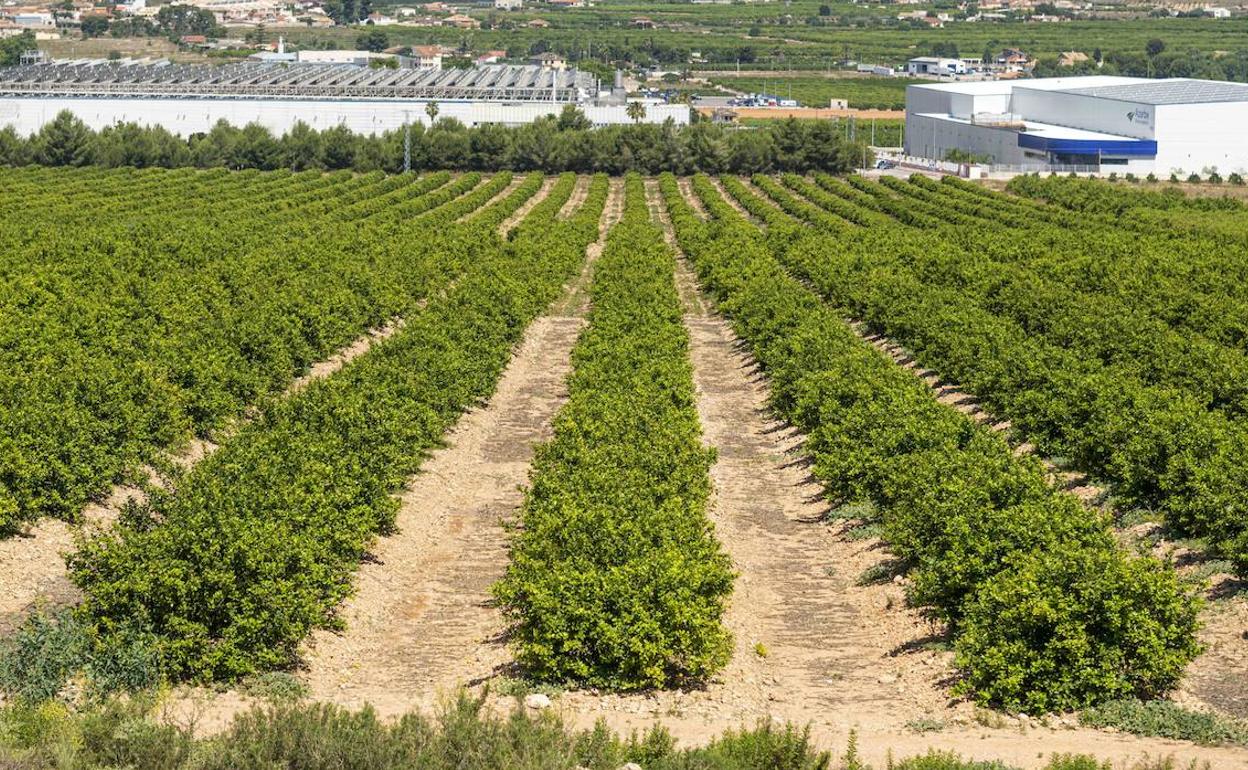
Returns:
(1139, 116)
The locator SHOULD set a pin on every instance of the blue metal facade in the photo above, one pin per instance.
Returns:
(1135, 148)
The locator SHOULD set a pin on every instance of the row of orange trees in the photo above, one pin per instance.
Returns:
(616, 579)
(1046, 611)
(1090, 376)
(143, 307)
(227, 573)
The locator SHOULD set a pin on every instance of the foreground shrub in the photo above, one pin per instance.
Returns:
(1072, 627)
(462, 735)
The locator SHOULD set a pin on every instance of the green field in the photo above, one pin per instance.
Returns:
(816, 91)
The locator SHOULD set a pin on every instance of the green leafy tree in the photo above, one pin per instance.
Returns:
(348, 11)
(65, 141)
(636, 111)
(14, 151)
(12, 48)
(256, 148)
(448, 144)
(751, 152)
(1154, 47)
(373, 40)
(178, 20)
(490, 148)
(572, 118)
(339, 147)
(431, 109)
(94, 25)
(301, 148)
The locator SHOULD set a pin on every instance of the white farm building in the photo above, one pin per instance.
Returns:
(188, 99)
(1095, 123)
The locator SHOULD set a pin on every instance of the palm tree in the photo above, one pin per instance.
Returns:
(636, 111)
(431, 109)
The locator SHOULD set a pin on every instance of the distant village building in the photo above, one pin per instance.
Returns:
(461, 21)
(426, 57)
(1014, 60)
(1071, 58)
(508, 5)
(935, 65)
(551, 60)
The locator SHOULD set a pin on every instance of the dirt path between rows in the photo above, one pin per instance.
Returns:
(516, 218)
(576, 199)
(731, 201)
(685, 185)
(516, 181)
(1218, 679)
(422, 621)
(32, 566)
(812, 646)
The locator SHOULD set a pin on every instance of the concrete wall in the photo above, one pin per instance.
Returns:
(189, 116)
(930, 137)
(1193, 137)
(1090, 113)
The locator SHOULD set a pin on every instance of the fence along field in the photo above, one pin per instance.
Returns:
(226, 572)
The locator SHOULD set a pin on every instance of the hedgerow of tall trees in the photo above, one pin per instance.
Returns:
(551, 144)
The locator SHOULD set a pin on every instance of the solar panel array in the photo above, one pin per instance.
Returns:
(295, 80)
(1173, 91)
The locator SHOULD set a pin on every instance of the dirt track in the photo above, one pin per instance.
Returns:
(518, 216)
(422, 621)
(32, 566)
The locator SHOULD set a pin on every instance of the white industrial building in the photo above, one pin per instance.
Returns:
(1094, 123)
(935, 65)
(188, 99)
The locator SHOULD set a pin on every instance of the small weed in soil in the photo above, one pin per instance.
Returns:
(925, 725)
(1163, 719)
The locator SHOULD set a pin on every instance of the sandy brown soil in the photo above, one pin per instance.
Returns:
(32, 566)
(736, 205)
(579, 193)
(1218, 679)
(838, 654)
(516, 181)
(685, 185)
(422, 621)
(518, 216)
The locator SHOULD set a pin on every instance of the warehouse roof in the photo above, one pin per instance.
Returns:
(1169, 91)
(269, 80)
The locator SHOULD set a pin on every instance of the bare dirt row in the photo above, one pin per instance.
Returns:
(1216, 680)
(518, 216)
(511, 186)
(813, 644)
(839, 655)
(421, 622)
(32, 565)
